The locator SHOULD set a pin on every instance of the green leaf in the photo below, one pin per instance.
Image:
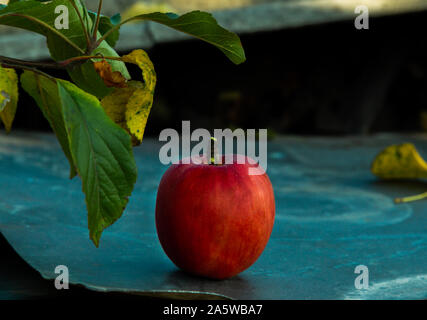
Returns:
(62, 43)
(98, 149)
(85, 75)
(45, 13)
(203, 26)
(45, 92)
(8, 96)
(103, 155)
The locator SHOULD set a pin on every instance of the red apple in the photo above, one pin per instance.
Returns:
(214, 220)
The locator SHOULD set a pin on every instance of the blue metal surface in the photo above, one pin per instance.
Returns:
(331, 216)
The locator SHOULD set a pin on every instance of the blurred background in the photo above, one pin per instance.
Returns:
(308, 70)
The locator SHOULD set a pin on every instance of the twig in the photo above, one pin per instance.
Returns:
(86, 32)
(95, 29)
(67, 62)
(411, 199)
(109, 32)
(52, 65)
(6, 65)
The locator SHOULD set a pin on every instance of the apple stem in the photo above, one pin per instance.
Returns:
(412, 198)
(214, 151)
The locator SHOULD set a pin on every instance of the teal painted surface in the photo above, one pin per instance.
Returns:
(331, 215)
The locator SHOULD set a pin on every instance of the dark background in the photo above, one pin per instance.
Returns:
(323, 79)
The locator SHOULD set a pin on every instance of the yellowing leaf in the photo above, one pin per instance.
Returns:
(137, 112)
(116, 103)
(142, 60)
(143, 8)
(110, 78)
(130, 107)
(399, 162)
(8, 96)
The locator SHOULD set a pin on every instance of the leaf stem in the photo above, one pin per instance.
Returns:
(53, 30)
(411, 198)
(214, 159)
(67, 62)
(95, 29)
(109, 32)
(86, 32)
(114, 29)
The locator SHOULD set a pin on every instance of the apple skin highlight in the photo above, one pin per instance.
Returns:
(214, 220)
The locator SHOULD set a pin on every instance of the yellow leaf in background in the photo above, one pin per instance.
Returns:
(8, 96)
(399, 162)
(144, 8)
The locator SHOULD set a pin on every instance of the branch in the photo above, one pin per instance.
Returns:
(109, 32)
(114, 29)
(98, 18)
(12, 66)
(70, 61)
(52, 65)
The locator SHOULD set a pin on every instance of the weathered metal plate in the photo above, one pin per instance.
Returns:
(332, 215)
